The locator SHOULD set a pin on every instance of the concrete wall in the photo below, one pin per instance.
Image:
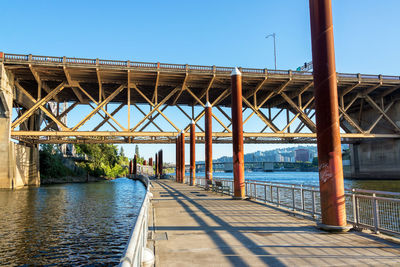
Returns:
(25, 165)
(376, 159)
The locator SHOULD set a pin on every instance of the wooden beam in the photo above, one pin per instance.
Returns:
(310, 123)
(107, 118)
(99, 106)
(38, 80)
(155, 94)
(155, 108)
(261, 115)
(194, 96)
(39, 104)
(205, 91)
(59, 117)
(183, 88)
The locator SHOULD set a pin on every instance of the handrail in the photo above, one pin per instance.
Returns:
(7, 57)
(370, 209)
(134, 251)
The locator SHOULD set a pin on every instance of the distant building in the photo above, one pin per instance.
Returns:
(302, 155)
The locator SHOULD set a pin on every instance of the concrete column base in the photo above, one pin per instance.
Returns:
(239, 198)
(334, 228)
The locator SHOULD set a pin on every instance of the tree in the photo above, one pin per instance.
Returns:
(137, 151)
(122, 152)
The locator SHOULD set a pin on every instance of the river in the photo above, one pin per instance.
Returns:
(74, 224)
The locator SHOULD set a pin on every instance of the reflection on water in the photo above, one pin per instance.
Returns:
(72, 224)
(311, 178)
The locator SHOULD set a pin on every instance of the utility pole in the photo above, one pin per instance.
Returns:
(273, 35)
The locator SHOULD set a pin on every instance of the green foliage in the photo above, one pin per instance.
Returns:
(51, 165)
(104, 160)
(315, 161)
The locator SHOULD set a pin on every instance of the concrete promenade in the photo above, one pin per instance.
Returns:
(192, 227)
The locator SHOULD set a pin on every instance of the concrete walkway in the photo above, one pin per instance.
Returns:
(193, 227)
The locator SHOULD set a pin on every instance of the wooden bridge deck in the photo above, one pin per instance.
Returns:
(192, 227)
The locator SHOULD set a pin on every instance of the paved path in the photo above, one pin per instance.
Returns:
(197, 228)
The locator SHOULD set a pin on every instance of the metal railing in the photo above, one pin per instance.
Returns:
(134, 251)
(378, 211)
(14, 58)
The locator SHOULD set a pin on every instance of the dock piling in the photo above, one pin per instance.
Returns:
(237, 135)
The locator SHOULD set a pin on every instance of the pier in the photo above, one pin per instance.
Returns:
(193, 227)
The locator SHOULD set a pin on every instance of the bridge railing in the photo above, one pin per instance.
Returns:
(133, 254)
(18, 58)
(378, 211)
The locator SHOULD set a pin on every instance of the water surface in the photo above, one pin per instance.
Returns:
(73, 224)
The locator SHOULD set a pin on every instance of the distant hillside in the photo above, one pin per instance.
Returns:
(275, 155)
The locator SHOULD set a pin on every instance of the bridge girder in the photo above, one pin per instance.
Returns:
(266, 93)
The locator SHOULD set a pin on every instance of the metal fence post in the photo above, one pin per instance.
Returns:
(293, 199)
(302, 197)
(265, 193)
(376, 211)
(271, 194)
(353, 198)
(313, 202)
(278, 201)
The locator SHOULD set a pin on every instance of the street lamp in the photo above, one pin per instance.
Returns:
(274, 36)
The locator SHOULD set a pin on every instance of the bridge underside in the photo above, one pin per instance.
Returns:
(278, 105)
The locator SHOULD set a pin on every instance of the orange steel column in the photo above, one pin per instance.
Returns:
(237, 135)
(156, 165)
(327, 117)
(160, 158)
(182, 154)
(192, 153)
(208, 142)
(177, 168)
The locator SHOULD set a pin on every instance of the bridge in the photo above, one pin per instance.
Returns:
(279, 102)
(265, 166)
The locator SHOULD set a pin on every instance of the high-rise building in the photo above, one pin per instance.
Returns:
(302, 155)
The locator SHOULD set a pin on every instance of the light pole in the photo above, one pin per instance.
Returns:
(274, 36)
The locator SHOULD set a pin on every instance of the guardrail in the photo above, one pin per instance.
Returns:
(135, 250)
(369, 209)
(14, 58)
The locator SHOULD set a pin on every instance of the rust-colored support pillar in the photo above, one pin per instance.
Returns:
(208, 142)
(161, 162)
(192, 153)
(237, 135)
(150, 161)
(135, 165)
(156, 165)
(131, 166)
(182, 155)
(177, 169)
(144, 162)
(327, 118)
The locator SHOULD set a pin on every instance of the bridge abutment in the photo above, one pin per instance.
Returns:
(375, 160)
(19, 164)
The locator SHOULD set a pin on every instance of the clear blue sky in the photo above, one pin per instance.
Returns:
(227, 33)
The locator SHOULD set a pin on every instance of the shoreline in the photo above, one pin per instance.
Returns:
(73, 179)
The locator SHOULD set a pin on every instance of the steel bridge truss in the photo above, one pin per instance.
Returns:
(281, 101)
